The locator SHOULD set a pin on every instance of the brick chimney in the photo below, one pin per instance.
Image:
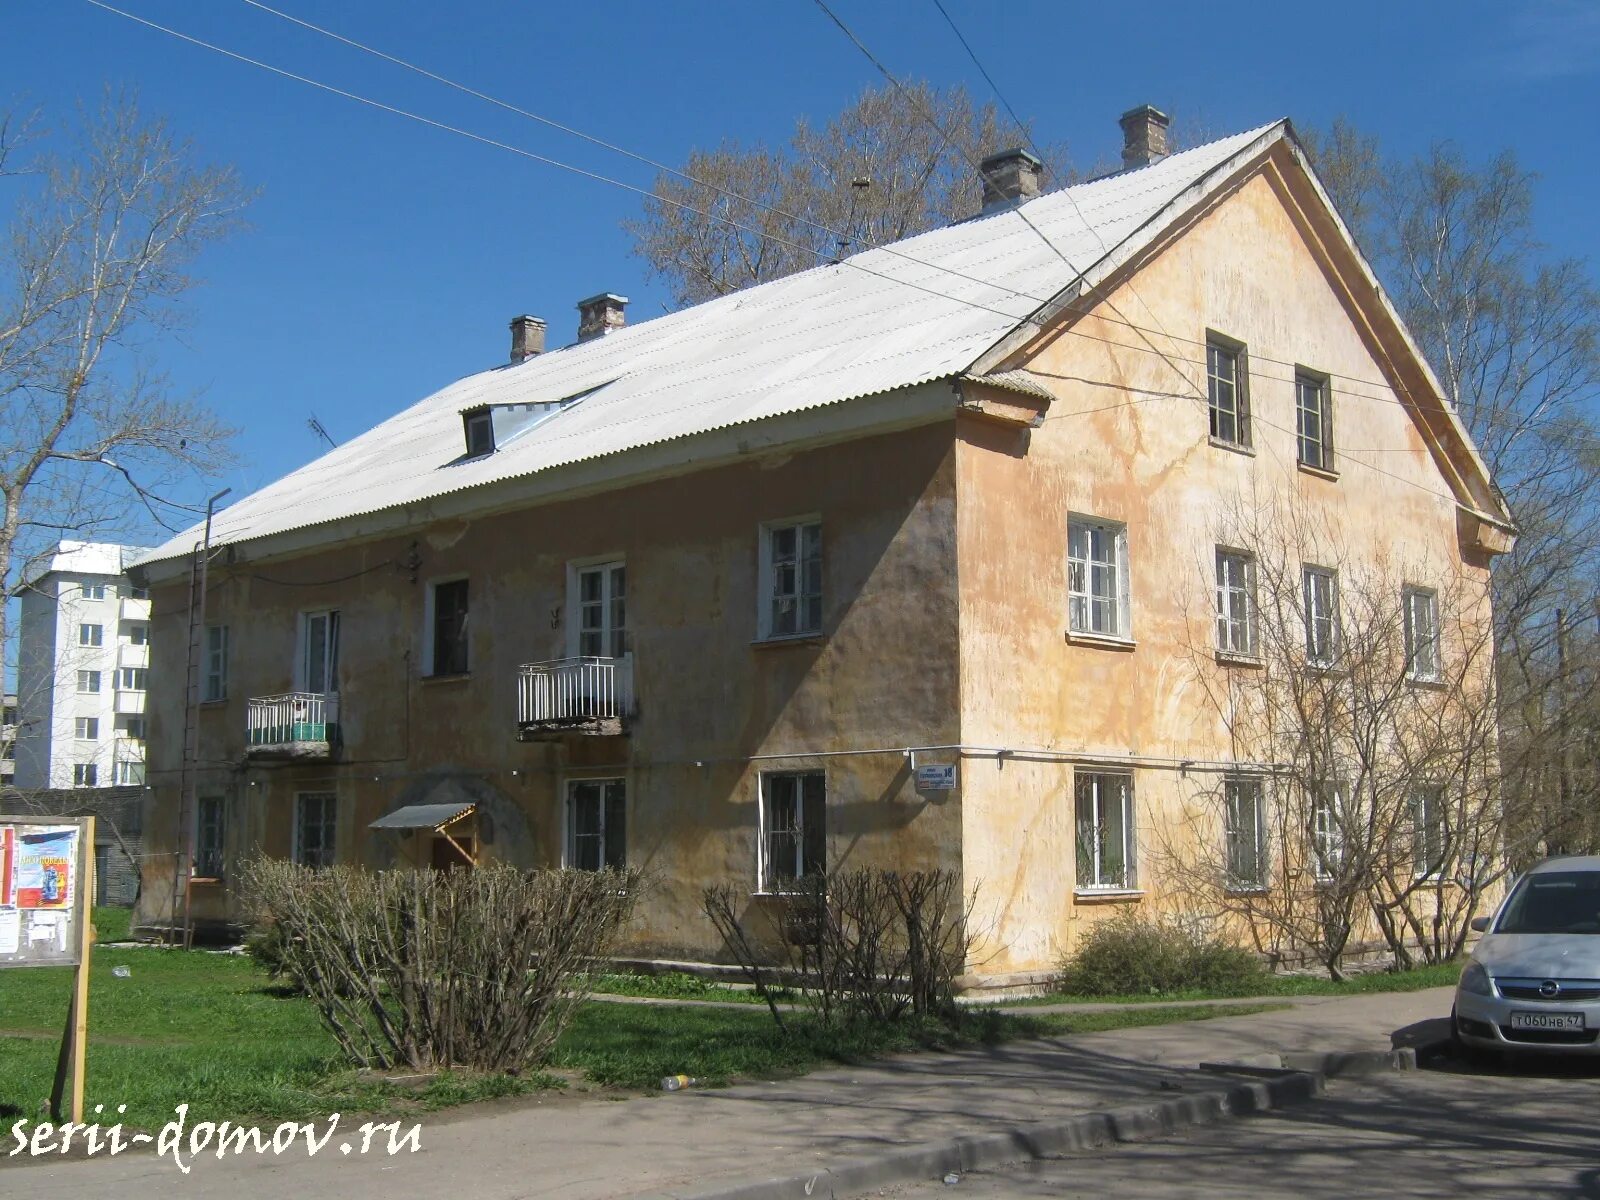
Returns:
(527, 337)
(600, 315)
(1144, 136)
(1009, 177)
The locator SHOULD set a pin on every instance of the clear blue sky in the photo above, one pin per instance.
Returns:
(384, 259)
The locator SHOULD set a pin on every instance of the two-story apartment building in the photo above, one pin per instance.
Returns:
(83, 665)
(899, 561)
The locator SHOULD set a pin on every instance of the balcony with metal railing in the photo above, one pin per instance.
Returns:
(302, 725)
(592, 696)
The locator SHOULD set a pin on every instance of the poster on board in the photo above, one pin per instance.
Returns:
(46, 888)
(46, 868)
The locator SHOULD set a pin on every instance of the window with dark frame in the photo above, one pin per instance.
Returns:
(596, 824)
(450, 628)
(1313, 426)
(793, 586)
(1103, 803)
(139, 634)
(208, 837)
(1429, 830)
(1228, 391)
(794, 830)
(316, 815)
(480, 434)
(216, 681)
(1245, 832)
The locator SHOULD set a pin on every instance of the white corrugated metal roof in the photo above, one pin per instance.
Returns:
(887, 318)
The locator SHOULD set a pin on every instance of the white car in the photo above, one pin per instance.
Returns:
(1533, 984)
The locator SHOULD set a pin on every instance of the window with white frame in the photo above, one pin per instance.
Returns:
(315, 818)
(1313, 424)
(209, 830)
(1320, 597)
(1245, 832)
(1429, 830)
(128, 772)
(1228, 390)
(1236, 602)
(215, 684)
(133, 679)
(1105, 831)
(602, 610)
(138, 634)
(89, 682)
(596, 824)
(1327, 829)
(1097, 577)
(794, 828)
(317, 664)
(94, 591)
(91, 635)
(448, 628)
(1421, 611)
(791, 579)
(86, 729)
(85, 775)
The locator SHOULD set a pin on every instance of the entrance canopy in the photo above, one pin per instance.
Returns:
(423, 816)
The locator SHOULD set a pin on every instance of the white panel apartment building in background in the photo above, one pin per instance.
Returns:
(83, 659)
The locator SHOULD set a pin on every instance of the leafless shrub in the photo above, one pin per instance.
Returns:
(428, 969)
(864, 944)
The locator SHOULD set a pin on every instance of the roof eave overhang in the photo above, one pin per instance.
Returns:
(908, 407)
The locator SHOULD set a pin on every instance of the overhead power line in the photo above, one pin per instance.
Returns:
(546, 160)
(839, 237)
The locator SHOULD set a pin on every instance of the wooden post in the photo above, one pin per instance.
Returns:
(73, 1060)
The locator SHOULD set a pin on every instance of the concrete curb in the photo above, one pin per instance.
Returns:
(1086, 1131)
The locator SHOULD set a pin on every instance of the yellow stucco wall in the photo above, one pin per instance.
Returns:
(882, 676)
(945, 619)
(1126, 440)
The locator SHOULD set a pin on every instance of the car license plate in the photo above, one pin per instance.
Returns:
(1565, 1022)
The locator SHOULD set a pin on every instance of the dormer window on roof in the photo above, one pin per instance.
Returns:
(480, 432)
(490, 427)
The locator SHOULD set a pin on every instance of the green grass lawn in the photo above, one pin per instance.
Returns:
(112, 924)
(1437, 975)
(212, 1030)
(680, 985)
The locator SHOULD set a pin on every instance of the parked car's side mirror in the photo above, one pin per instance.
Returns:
(1480, 924)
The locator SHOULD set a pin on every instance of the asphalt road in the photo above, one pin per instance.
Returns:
(1452, 1130)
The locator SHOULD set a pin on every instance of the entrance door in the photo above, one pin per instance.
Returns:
(602, 611)
(318, 669)
(447, 858)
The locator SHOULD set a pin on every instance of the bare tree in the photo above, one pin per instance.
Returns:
(1363, 719)
(881, 170)
(1514, 335)
(102, 235)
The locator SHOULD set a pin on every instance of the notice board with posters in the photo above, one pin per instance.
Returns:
(44, 890)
